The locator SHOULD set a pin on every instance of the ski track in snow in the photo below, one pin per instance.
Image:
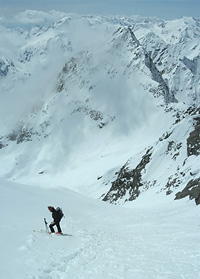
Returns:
(123, 251)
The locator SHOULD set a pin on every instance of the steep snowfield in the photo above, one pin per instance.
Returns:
(149, 240)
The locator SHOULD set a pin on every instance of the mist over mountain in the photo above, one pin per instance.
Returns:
(106, 106)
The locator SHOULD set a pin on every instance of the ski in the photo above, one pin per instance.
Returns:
(40, 231)
(43, 231)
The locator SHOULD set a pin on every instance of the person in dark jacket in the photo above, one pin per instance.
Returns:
(56, 220)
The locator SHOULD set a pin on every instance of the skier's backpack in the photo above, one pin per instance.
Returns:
(60, 212)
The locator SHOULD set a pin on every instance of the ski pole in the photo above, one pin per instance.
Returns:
(46, 225)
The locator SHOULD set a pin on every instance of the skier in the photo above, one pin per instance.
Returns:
(56, 220)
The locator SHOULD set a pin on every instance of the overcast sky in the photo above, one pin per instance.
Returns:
(163, 9)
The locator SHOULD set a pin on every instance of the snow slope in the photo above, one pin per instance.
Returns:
(147, 240)
(80, 98)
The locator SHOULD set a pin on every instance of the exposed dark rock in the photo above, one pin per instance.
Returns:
(26, 56)
(195, 194)
(20, 135)
(1, 145)
(128, 181)
(192, 189)
(5, 64)
(70, 67)
(182, 194)
(171, 184)
(193, 141)
(157, 76)
(95, 115)
(192, 65)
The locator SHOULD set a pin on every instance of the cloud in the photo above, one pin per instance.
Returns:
(36, 17)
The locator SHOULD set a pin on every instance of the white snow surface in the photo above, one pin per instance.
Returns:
(148, 240)
(55, 79)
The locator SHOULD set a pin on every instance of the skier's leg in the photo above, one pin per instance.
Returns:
(58, 227)
(51, 227)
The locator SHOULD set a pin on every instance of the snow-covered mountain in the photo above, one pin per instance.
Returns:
(101, 108)
(106, 106)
